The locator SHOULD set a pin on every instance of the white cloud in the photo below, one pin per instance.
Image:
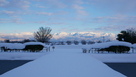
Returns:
(7, 12)
(40, 6)
(3, 2)
(44, 13)
(115, 6)
(16, 36)
(21, 4)
(79, 9)
(53, 3)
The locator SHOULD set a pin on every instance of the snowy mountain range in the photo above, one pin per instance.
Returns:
(90, 36)
(63, 36)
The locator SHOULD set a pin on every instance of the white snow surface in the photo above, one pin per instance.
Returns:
(108, 44)
(13, 45)
(35, 43)
(64, 63)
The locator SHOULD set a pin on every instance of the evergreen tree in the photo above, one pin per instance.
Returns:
(128, 35)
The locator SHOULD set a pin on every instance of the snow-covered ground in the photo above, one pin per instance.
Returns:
(104, 57)
(64, 62)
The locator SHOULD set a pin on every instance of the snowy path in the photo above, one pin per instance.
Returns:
(64, 63)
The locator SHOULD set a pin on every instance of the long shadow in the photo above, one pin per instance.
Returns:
(128, 69)
(6, 65)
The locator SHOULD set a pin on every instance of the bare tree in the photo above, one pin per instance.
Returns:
(43, 35)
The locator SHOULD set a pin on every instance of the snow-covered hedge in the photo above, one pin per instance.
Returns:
(108, 44)
(26, 46)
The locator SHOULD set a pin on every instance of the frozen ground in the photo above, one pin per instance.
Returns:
(64, 62)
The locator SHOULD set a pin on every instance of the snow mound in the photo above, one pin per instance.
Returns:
(134, 45)
(35, 43)
(108, 44)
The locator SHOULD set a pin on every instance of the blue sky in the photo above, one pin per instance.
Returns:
(109, 16)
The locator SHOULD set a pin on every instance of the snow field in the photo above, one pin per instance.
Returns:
(64, 62)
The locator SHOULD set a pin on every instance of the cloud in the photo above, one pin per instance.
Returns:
(13, 20)
(79, 9)
(44, 13)
(16, 36)
(7, 12)
(120, 20)
(115, 28)
(53, 3)
(14, 4)
(116, 6)
(3, 3)
(40, 6)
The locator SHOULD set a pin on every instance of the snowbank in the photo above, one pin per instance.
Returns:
(66, 63)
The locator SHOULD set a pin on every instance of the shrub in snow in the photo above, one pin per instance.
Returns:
(68, 42)
(83, 42)
(76, 42)
(84, 50)
(33, 48)
(116, 49)
(91, 42)
(99, 41)
(29, 46)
